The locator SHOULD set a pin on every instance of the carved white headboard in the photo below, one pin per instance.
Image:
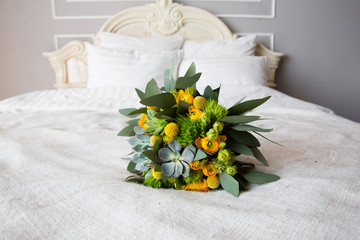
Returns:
(161, 18)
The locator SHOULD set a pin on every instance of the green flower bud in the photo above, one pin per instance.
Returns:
(223, 155)
(212, 134)
(222, 145)
(190, 90)
(231, 170)
(220, 168)
(218, 126)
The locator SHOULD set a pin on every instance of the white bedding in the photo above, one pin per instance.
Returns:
(62, 176)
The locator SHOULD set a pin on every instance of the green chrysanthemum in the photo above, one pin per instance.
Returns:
(194, 176)
(189, 130)
(159, 183)
(214, 111)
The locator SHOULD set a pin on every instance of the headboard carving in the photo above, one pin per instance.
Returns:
(161, 18)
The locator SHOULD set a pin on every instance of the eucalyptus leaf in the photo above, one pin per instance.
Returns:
(268, 139)
(258, 155)
(239, 119)
(135, 179)
(127, 131)
(246, 127)
(200, 155)
(126, 111)
(245, 138)
(150, 155)
(230, 184)
(183, 107)
(157, 146)
(167, 113)
(131, 167)
(260, 177)
(163, 100)
(152, 88)
(185, 82)
(209, 93)
(140, 93)
(167, 80)
(133, 122)
(239, 147)
(191, 70)
(246, 106)
(138, 111)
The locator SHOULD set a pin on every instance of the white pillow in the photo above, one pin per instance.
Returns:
(148, 44)
(113, 67)
(230, 73)
(220, 47)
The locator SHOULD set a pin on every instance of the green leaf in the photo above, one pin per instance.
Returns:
(140, 93)
(246, 106)
(200, 155)
(258, 155)
(183, 107)
(245, 138)
(133, 122)
(229, 184)
(126, 111)
(163, 100)
(245, 127)
(268, 139)
(168, 114)
(127, 131)
(185, 82)
(131, 167)
(239, 119)
(239, 147)
(191, 70)
(260, 177)
(150, 155)
(138, 111)
(135, 179)
(152, 88)
(157, 146)
(209, 93)
(167, 80)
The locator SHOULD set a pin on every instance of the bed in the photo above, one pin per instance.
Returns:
(62, 175)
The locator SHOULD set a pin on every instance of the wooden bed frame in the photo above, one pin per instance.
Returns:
(163, 18)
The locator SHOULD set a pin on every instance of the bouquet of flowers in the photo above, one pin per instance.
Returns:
(186, 140)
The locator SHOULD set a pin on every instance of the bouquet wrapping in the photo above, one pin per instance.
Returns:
(185, 140)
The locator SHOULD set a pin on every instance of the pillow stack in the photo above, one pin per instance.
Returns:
(127, 61)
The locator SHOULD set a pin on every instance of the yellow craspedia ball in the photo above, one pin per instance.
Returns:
(156, 109)
(213, 182)
(156, 175)
(199, 102)
(171, 130)
(154, 138)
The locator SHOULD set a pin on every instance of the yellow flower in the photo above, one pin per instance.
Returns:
(212, 146)
(198, 186)
(199, 102)
(198, 142)
(171, 130)
(186, 97)
(213, 182)
(194, 113)
(154, 138)
(156, 175)
(143, 121)
(194, 165)
(156, 109)
(209, 170)
(167, 139)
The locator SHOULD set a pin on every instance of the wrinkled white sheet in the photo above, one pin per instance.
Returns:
(62, 177)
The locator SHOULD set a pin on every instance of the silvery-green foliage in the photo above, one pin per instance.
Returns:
(175, 164)
(140, 142)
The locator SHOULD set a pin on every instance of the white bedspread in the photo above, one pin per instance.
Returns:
(62, 177)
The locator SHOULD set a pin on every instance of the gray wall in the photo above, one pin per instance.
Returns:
(320, 39)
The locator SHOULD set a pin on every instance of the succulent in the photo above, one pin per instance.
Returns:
(175, 164)
(156, 125)
(140, 142)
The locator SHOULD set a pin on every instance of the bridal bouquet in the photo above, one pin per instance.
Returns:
(185, 140)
